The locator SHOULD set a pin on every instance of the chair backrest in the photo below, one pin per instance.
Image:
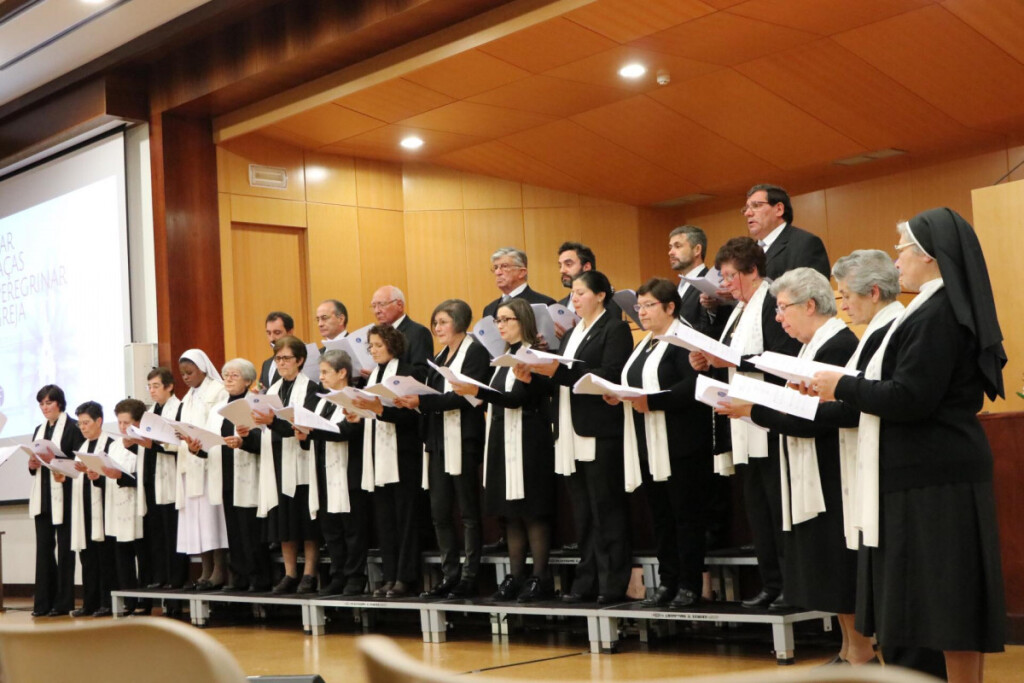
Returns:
(142, 650)
(386, 662)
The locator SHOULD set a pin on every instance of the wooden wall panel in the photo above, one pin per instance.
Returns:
(335, 270)
(431, 188)
(435, 245)
(330, 179)
(485, 192)
(653, 227)
(269, 265)
(381, 251)
(535, 197)
(379, 185)
(950, 184)
(227, 271)
(864, 215)
(237, 154)
(611, 232)
(546, 229)
(266, 211)
(487, 230)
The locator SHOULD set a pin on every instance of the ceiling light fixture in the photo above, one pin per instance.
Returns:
(316, 174)
(411, 142)
(634, 70)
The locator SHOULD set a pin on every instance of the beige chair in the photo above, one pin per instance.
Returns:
(141, 650)
(386, 662)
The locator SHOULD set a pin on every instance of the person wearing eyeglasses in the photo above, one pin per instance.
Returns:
(332, 319)
(751, 329)
(769, 216)
(388, 307)
(519, 473)
(278, 324)
(510, 276)
(284, 473)
(588, 443)
(667, 446)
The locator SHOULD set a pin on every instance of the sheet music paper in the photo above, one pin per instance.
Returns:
(530, 357)
(458, 378)
(311, 368)
(8, 451)
(691, 339)
(545, 325)
(65, 466)
(157, 428)
(563, 316)
(593, 385)
(206, 438)
(306, 420)
(45, 446)
(358, 341)
(486, 332)
(238, 413)
(712, 392)
(626, 299)
(263, 403)
(795, 370)
(340, 397)
(97, 461)
(345, 344)
(789, 401)
(708, 284)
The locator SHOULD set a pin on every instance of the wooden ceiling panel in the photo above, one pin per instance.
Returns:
(603, 68)
(758, 120)
(824, 17)
(621, 174)
(946, 62)
(466, 74)
(998, 20)
(483, 120)
(834, 85)
(724, 38)
(382, 143)
(547, 45)
(550, 96)
(626, 20)
(498, 159)
(328, 123)
(394, 100)
(673, 141)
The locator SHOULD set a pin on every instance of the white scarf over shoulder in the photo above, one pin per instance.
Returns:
(35, 499)
(848, 437)
(747, 440)
(336, 455)
(866, 487)
(452, 419)
(655, 425)
(195, 410)
(512, 437)
(570, 446)
(81, 487)
(163, 477)
(380, 439)
(245, 466)
(294, 465)
(120, 511)
(802, 495)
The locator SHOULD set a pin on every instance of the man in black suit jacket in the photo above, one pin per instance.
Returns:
(687, 246)
(769, 215)
(573, 259)
(279, 324)
(509, 267)
(388, 304)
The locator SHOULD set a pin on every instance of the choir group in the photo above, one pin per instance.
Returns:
(879, 509)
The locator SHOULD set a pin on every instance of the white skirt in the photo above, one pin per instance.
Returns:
(201, 525)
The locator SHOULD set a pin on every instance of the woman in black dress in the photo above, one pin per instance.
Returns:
(935, 579)
(519, 476)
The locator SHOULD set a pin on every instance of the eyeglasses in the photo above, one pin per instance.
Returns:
(235, 375)
(504, 321)
(281, 359)
(904, 245)
(381, 304)
(753, 206)
(781, 308)
(644, 307)
(727, 277)
(501, 267)
(325, 318)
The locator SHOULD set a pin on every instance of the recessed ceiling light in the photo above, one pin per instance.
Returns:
(634, 70)
(411, 142)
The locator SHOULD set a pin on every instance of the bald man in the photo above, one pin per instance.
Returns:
(388, 306)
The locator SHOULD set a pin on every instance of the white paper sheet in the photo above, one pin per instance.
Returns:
(709, 284)
(459, 378)
(563, 316)
(598, 386)
(7, 451)
(44, 447)
(358, 341)
(689, 338)
(306, 420)
(158, 428)
(793, 369)
(343, 398)
(238, 413)
(65, 466)
(345, 344)
(545, 325)
(3, 421)
(486, 332)
(789, 401)
(206, 438)
(712, 392)
(626, 299)
(97, 461)
(311, 368)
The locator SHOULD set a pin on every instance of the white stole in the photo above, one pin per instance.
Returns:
(513, 439)
(747, 440)
(163, 475)
(848, 436)
(336, 468)
(195, 410)
(120, 511)
(802, 495)
(35, 498)
(452, 419)
(294, 468)
(78, 492)
(866, 487)
(655, 425)
(380, 440)
(570, 446)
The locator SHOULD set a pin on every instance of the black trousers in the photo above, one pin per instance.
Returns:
(445, 490)
(679, 512)
(99, 572)
(395, 507)
(160, 534)
(126, 575)
(763, 500)
(601, 512)
(55, 578)
(248, 551)
(347, 535)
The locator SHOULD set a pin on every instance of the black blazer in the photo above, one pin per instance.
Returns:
(70, 441)
(604, 351)
(352, 432)
(265, 374)
(419, 346)
(840, 414)
(476, 364)
(527, 294)
(410, 447)
(796, 248)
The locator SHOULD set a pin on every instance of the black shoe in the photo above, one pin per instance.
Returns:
(684, 599)
(400, 590)
(82, 612)
(536, 589)
(204, 586)
(508, 590)
(779, 604)
(662, 596)
(761, 600)
(286, 585)
(499, 546)
(354, 587)
(612, 599)
(234, 587)
(259, 587)
(56, 613)
(334, 587)
(154, 586)
(442, 589)
(571, 548)
(464, 590)
(307, 585)
(103, 612)
(41, 613)
(574, 598)
(382, 590)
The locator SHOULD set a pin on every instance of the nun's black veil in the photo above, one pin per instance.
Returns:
(952, 242)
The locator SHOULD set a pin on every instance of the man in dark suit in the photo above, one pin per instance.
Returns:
(573, 259)
(388, 305)
(279, 324)
(769, 215)
(687, 246)
(509, 267)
